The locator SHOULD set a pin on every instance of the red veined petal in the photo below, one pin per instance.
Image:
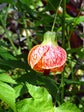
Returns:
(54, 57)
(35, 54)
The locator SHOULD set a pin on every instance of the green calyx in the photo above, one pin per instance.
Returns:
(50, 37)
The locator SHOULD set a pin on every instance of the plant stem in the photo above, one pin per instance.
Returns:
(55, 17)
(3, 21)
(25, 25)
(73, 77)
(63, 23)
(62, 86)
(63, 44)
(9, 38)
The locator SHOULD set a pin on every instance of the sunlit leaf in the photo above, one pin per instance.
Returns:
(20, 89)
(5, 78)
(41, 101)
(67, 107)
(7, 94)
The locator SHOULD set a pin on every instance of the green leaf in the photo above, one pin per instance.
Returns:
(5, 78)
(20, 89)
(79, 51)
(82, 66)
(38, 92)
(67, 107)
(7, 94)
(27, 2)
(5, 54)
(22, 6)
(81, 35)
(7, 1)
(3, 44)
(5, 68)
(73, 50)
(14, 64)
(52, 4)
(68, 81)
(79, 19)
(34, 78)
(41, 101)
(73, 20)
(50, 84)
(1, 110)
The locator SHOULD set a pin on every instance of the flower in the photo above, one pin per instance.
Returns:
(48, 55)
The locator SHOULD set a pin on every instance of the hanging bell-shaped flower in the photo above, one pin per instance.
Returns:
(48, 55)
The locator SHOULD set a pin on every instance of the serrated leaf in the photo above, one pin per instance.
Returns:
(41, 101)
(5, 78)
(7, 94)
(38, 92)
(67, 107)
(34, 78)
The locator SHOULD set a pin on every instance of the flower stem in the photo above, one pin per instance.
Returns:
(10, 40)
(46, 72)
(25, 25)
(55, 17)
(73, 72)
(62, 86)
(63, 23)
(63, 44)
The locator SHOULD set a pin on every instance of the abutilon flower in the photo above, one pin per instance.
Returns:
(48, 55)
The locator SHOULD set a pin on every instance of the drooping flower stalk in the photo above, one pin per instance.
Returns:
(46, 72)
